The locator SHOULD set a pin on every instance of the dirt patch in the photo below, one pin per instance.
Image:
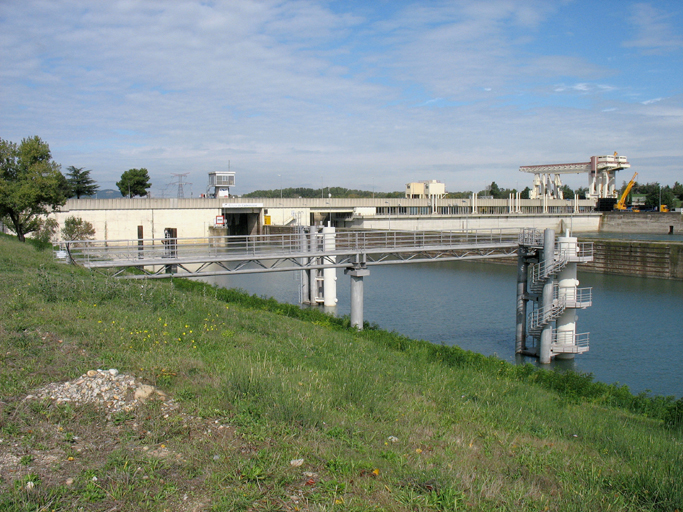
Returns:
(105, 439)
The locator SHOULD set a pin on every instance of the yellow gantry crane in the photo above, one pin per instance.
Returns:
(621, 204)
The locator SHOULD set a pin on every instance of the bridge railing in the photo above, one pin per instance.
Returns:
(531, 237)
(367, 240)
(93, 252)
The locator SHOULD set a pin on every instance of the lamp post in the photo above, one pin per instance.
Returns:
(280, 179)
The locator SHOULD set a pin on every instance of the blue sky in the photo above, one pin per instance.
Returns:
(347, 93)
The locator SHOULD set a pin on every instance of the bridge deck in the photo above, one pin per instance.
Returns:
(286, 252)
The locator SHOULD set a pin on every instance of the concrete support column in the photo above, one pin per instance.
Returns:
(567, 290)
(329, 273)
(544, 352)
(305, 292)
(357, 274)
(313, 281)
(522, 275)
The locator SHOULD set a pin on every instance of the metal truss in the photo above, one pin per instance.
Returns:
(315, 261)
(351, 251)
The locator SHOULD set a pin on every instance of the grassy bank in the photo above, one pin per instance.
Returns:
(380, 422)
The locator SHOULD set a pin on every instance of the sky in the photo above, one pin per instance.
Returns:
(358, 94)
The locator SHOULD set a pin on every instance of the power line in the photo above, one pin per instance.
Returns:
(180, 183)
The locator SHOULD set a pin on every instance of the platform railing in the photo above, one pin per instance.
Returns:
(531, 237)
(575, 298)
(279, 245)
(569, 342)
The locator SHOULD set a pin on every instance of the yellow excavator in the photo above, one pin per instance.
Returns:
(621, 204)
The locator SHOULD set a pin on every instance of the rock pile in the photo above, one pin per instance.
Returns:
(115, 391)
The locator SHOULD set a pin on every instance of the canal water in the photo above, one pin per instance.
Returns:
(635, 324)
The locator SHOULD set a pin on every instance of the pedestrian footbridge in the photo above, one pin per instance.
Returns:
(547, 281)
(310, 248)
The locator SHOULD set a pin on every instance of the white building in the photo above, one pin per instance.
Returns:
(425, 189)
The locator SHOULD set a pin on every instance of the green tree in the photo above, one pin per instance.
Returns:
(134, 182)
(678, 190)
(667, 196)
(80, 182)
(47, 229)
(582, 192)
(76, 228)
(31, 184)
(567, 192)
(525, 193)
(459, 195)
(652, 193)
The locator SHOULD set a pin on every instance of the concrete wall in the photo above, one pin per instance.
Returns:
(118, 219)
(579, 223)
(642, 222)
(662, 260)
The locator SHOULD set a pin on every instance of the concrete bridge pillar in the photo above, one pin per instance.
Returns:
(305, 291)
(357, 274)
(544, 352)
(329, 273)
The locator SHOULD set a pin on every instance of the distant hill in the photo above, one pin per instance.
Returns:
(108, 193)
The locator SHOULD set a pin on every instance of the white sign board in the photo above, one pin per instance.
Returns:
(242, 205)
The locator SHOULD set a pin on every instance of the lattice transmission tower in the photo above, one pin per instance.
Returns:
(181, 184)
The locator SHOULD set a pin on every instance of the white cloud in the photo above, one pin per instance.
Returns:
(302, 90)
(654, 30)
(584, 87)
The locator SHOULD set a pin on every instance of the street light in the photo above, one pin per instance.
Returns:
(280, 179)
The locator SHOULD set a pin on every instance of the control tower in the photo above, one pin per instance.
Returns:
(220, 183)
(601, 172)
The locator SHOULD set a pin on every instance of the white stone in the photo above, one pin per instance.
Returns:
(143, 392)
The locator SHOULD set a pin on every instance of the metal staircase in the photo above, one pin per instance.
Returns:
(541, 272)
(551, 324)
(544, 315)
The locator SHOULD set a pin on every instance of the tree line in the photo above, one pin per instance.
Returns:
(669, 195)
(655, 194)
(32, 186)
(307, 193)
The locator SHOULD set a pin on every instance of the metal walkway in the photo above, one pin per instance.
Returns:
(211, 256)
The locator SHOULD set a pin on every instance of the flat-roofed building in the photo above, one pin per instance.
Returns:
(425, 189)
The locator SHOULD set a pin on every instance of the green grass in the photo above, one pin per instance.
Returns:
(381, 422)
